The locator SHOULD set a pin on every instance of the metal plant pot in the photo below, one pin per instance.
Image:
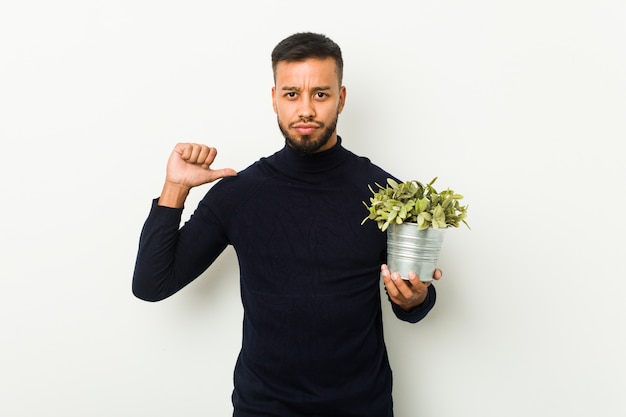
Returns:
(410, 249)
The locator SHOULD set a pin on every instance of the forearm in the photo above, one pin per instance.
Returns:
(152, 278)
(168, 258)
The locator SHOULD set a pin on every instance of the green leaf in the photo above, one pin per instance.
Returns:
(412, 201)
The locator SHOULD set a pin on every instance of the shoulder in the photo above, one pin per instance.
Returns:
(230, 192)
(365, 170)
(245, 180)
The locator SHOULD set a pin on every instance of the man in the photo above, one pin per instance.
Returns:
(309, 271)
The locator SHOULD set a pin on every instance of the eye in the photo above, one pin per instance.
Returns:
(290, 94)
(321, 94)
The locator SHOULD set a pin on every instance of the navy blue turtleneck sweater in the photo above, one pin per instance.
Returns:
(309, 272)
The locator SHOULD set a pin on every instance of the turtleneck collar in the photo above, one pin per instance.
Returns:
(295, 164)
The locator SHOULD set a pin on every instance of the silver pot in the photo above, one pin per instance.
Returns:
(410, 249)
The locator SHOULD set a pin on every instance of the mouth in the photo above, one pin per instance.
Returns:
(305, 128)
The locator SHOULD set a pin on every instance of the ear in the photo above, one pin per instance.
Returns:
(274, 100)
(342, 99)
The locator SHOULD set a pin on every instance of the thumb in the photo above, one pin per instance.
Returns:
(224, 172)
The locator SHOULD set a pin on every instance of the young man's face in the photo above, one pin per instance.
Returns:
(307, 99)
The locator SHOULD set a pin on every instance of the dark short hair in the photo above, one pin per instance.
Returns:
(301, 46)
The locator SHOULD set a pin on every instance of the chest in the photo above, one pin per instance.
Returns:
(309, 234)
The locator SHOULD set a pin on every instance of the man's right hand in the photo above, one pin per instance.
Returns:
(189, 165)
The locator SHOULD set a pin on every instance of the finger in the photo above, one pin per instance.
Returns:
(190, 152)
(403, 285)
(392, 290)
(224, 172)
(203, 153)
(417, 283)
(199, 153)
(184, 150)
(208, 157)
(437, 274)
(384, 272)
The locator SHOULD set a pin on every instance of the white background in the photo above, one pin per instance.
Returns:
(517, 105)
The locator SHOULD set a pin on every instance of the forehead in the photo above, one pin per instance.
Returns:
(310, 72)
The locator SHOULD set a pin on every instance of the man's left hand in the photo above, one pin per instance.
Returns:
(406, 294)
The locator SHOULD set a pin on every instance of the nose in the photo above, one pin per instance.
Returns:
(307, 108)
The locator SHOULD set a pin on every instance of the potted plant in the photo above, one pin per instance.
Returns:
(415, 217)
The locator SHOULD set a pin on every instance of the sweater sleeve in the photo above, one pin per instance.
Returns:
(418, 313)
(169, 258)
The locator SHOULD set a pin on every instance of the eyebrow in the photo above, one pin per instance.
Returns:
(314, 89)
